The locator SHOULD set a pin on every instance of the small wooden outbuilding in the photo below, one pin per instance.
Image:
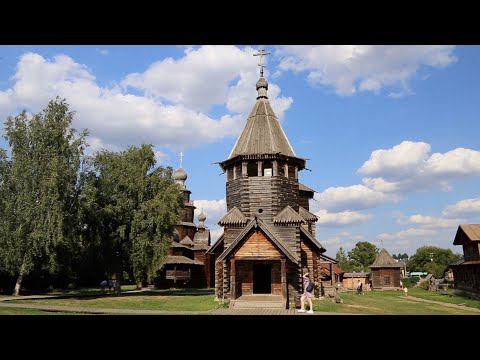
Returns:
(386, 272)
(466, 273)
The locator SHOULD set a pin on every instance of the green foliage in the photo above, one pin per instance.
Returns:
(38, 187)
(362, 256)
(223, 304)
(410, 282)
(342, 259)
(432, 259)
(129, 210)
(437, 270)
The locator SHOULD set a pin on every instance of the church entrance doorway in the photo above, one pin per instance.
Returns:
(262, 279)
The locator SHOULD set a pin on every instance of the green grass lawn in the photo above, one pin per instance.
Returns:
(170, 300)
(375, 302)
(444, 296)
(388, 302)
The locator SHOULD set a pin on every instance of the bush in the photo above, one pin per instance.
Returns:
(410, 282)
(223, 304)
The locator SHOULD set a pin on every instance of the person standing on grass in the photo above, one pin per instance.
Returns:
(405, 290)
(307, 294)
(103, 285)
(359, 287)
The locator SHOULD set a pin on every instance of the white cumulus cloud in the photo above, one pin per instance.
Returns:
(409, 166)
(352, 68)
(355, 197)
(402, 160)
(466, 207)
(341, 218)
(431, 221)
(168, 107)
(406, 234)
(206, 76)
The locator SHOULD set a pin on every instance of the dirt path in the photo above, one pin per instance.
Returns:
(467, 308)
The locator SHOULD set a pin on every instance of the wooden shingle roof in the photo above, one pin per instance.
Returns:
(356, 274)
(288, 216)
(270, 234)
(216, 244)
(176, 244)
(200, 247)
(262, 134)
(181, 260)
(233, 217)
(307, 215)
(384, 259)
(303, 187)
(467, 233)
(186, 241)
(312, 239)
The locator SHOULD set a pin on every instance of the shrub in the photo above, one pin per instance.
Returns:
(410, 282)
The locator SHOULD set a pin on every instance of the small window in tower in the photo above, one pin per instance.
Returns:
(260, 211)
(267, 172)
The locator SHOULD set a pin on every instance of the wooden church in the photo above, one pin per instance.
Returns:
(187, 264)
(268, 239)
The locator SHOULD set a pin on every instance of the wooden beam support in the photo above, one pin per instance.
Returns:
(332, 275)
(232, 279)
(284, 279)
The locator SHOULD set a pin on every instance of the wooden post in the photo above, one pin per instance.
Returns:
(232, 279)
(296, 172)
(332, 275)
(275, 168)
(234, 172)
(244, 168)
(286, 170)
(259, 167)
(284, 280)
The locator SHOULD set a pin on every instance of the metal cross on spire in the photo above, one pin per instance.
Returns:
(181, 158)
(261, 53)
(382, 243)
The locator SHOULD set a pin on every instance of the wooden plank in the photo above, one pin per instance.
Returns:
(257, 245)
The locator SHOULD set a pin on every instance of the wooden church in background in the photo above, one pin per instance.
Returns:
(187, 264)
(268, 239)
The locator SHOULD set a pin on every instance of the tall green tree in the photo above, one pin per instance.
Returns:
(362, 256)
(342, 259)
(432, 259)
(130, 210)
(153, 224)
(40, 201)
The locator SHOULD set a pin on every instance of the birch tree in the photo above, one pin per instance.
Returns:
(40, 189)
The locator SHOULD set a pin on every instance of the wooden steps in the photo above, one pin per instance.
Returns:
(258, 302)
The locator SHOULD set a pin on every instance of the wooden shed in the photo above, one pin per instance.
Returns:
(386, 272)
(350, 280)
(466, 273)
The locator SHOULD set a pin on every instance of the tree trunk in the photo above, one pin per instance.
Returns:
(18, 285)
(118, 288)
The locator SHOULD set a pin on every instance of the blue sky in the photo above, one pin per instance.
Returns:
(392, 132)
